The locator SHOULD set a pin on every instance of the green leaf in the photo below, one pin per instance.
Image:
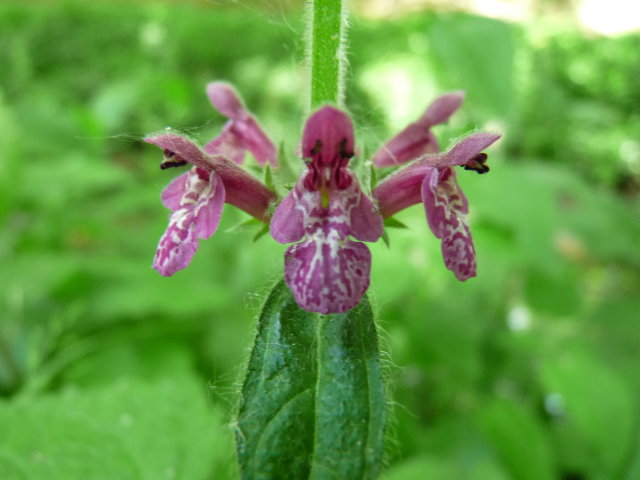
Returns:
(373, 177)
(385, 238)
(285, 175)
(268, 178)
(260, 233)
(394, 223)
(248, 224)
(313, 401)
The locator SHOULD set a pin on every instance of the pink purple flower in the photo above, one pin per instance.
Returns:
(431, 179)
(327, 271)
(196, 197)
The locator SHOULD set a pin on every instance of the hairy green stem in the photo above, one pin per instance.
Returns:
(327, 25)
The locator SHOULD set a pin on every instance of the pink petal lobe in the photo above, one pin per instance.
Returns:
(207, 209)
(446, 207)
(365, 221)
(287, 223)
(197, 215)
(172, 194)
(326, 276)
(226, 100)
(178, 244)
(442, 108)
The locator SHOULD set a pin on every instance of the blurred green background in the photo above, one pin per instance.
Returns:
(109, 371)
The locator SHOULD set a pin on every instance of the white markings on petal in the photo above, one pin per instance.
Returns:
(327, 272)
(446, 208)
(198, 215)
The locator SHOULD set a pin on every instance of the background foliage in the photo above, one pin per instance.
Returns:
(109, 371)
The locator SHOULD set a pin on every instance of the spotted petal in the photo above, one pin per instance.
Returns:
(178, 244)
(198, 215)
(446, 207)
(327, 274)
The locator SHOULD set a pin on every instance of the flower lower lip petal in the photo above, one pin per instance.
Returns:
(327, 276)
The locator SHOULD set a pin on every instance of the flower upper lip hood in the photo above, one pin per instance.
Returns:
(327, 146)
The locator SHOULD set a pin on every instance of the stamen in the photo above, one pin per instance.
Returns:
(342, 149)
(328, 171)
(317, 148)
(477, 164)
(171, 160)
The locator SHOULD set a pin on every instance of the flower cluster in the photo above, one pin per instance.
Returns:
(327, 211)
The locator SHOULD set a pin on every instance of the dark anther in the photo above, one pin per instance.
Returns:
(316, 148)
(342, 149)
(172, 164)
(477, 164)
(171, 160)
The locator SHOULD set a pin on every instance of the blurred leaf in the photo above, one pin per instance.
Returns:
(423, 468)
(519, 440)
(476, 55)
(600, 422)
(557, 294)
(427, 467)
(105, 433)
